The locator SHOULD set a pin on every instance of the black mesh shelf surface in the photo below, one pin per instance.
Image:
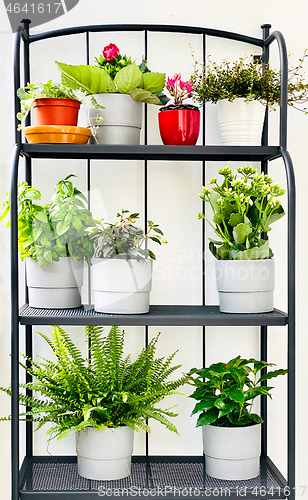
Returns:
(159, 315)
(152, 152)
(167, 477)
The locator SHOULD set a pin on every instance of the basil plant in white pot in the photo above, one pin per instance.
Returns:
(120, 86)
(103, 399)
(231, 431)
(244, 207)
(122, 268)
(53, 241)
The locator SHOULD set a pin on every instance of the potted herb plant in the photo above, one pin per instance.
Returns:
(122, 269)
(242, 89)
(119, 85)
(103, 399)
(56, 108)
(231, 431)
(244, 207)
(53, 241)
(179, 123)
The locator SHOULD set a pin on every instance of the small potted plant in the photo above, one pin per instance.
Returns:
(242, 90)
(122, 269)
(231, 432)
(179, 123)
(119, 85)
(56, 108)
(103, 399)
(244, 207)
(53, 241)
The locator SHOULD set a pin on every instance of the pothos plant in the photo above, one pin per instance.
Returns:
(116, 73)
(57, 229)
(37, 90)
(247, 78)
(123, 240)
(106, 390)
(226, 391)
(244, 207)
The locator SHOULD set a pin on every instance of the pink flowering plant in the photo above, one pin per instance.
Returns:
(116, 73)
(112, 61)
(179, 89)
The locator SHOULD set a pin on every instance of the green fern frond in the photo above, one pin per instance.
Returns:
(161, 417)
(107, 390)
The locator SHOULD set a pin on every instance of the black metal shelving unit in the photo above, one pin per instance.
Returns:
(56, 478)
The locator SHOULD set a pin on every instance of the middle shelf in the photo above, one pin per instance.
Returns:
(159, 315)
(151, 152)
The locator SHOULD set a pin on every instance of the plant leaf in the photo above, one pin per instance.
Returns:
(235, 395)
(254, 253)
(272, 374)
(206, 403)
(142, 95)
(154, 82)
(128, 78)
(235, 219)
(93, 79)
(207, 417)
(255, 418)
(240, 232)
(276, 215)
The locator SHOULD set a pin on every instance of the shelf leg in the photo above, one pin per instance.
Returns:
(291, 319)
(264, 398)
(29, 425)
(14, 329)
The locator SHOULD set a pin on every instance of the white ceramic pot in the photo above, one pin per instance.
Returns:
(122, 286)
(55, 286)
(122, 119)
(245, 286)
(240, 122)
(232, 452)
(104, 454)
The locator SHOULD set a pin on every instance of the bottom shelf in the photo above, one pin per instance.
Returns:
(44, 478)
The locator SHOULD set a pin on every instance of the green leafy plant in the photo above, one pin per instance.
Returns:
(55, 230)
(107, 390)
(116, 73)
(243, 208)
(123, 240)
(246, 78)
(226, 391)
(49, 89)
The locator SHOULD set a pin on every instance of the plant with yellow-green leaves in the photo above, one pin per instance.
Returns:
(244, 207)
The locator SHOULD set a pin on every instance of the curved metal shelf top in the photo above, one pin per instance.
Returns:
(168, 28)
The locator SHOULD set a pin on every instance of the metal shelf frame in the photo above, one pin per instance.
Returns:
(159, 315)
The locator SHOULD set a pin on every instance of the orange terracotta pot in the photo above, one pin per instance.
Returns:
(57, 134)
(58, 111)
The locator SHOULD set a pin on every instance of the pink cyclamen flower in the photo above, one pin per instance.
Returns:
(189, 86)
(170, 83)
(110, 52)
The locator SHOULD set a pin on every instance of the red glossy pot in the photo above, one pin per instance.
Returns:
(50, 111)
(179, 126)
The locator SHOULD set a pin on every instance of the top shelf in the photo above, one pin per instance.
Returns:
(151, 152)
